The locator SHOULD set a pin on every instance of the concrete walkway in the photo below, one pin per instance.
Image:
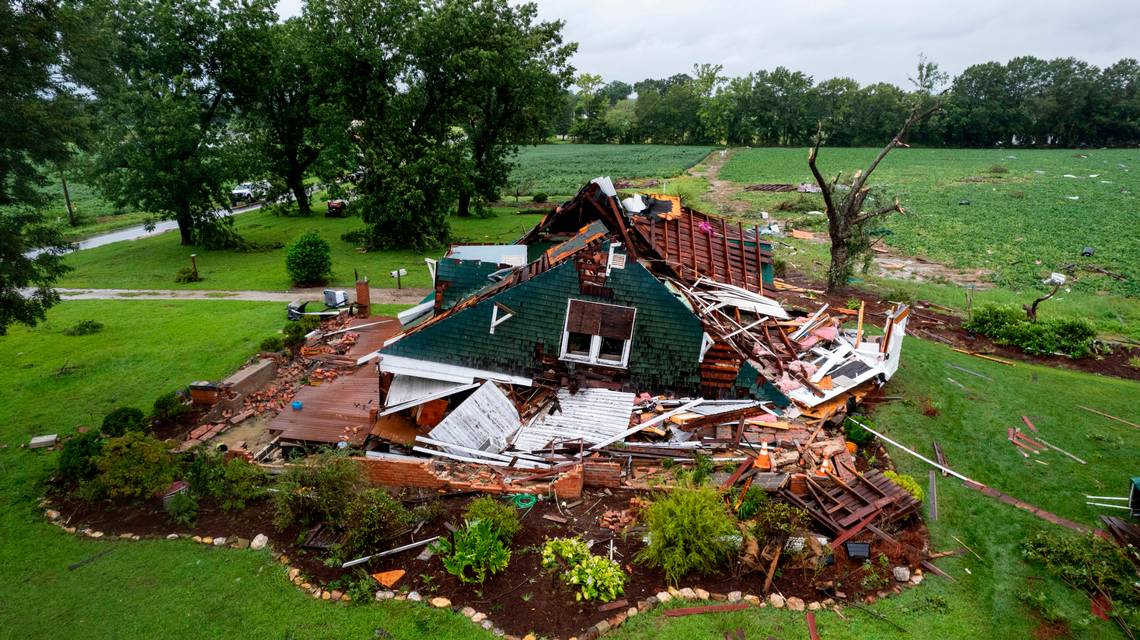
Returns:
(379, 296)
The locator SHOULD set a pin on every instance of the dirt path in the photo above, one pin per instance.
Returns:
(890, 264)
(379, 296)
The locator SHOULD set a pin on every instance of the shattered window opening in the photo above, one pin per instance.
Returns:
(597, 333)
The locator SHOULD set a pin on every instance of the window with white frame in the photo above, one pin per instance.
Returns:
(597, 333)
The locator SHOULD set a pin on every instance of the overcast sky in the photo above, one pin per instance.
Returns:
(869, 40)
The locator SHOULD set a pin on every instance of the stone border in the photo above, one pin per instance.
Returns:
(261, 541)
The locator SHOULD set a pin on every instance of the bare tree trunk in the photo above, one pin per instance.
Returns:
(71, 218)
(297, 186)
(846, 217)
(186, 227)
(464, 208)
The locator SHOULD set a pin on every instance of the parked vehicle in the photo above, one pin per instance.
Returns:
(248, 193)
(336, 208)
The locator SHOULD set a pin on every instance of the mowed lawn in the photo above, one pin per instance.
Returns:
(151, 263)
(55, 383)
(564, 168)
(1021, 223)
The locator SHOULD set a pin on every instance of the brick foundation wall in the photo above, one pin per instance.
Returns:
(601, 474)
(398, 471)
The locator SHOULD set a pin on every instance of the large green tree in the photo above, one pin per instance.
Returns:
(41, 97)
(278, 102)
(513, 69)
(166, 106)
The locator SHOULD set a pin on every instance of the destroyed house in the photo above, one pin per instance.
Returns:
(606, 312)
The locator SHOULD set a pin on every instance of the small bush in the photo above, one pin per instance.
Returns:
(779, 520)
(182, 509)
(690, 530)
(169, 408)
(853, 304)
(122, 420)
(503, 517)
(596, 578)
(1008, 325)
(309, 260)
(998, 168)
(857, 434)
(1088, 563)
(540, 197)
(899, 294)
(272, 343)
(906, 482)
(753, 501)
(356, 237)
(294, 335)
(187, 275)
(132, 466)
(561, 553)
(474, 552)
(371, 520)
(319, 488)
(242, 483)
(77, 460)
(83, 328)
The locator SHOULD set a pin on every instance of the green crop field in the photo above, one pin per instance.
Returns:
(151, 263)
(563, 168)
(1024, 217)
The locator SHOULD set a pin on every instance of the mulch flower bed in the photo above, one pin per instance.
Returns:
(525, 597)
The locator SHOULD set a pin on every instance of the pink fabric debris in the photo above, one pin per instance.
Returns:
(825, 333)
(786, 384)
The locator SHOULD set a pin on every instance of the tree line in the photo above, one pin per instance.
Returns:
(1028, 101)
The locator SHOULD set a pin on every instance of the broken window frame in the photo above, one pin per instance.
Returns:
(594, 357)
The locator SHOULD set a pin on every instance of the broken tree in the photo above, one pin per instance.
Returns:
(846, 218)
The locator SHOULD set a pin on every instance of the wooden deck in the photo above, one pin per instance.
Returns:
(337, 411)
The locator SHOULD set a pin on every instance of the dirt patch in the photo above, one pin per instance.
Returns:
(926, 321)
(722, 193)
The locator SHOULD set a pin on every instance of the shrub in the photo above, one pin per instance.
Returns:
(998, 168)
(356, 237)
(372, 519)
(503, 517)
(1008, 325)
(77, 460)
(856, 433)
(187, 275)
(168, 407)
(754, 499)
(319, 488)
(242, 483)
(122, 420)
(84, 328)
(564, 552)
(132, 466)
(540, 197)
(596, 578)
(309, 260)
(182, 509)
(294, 335)
(779, 519)
(473, 552)
(906, 482)
(272, 343)
(690, 530)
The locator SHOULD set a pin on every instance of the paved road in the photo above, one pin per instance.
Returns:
(379, 296)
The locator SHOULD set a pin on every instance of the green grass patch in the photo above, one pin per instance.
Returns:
(565, 168)
(1013, 219)
(149, 588)
(151, 263)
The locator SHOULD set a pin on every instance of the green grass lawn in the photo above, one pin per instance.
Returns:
(182, 590)
(564, 168)
(1013, 219)
(152, 588)
(151, 263)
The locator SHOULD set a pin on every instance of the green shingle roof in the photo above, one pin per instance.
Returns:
(666, 335)
(463, 278)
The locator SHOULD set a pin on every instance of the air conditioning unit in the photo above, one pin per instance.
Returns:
(335, 299)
